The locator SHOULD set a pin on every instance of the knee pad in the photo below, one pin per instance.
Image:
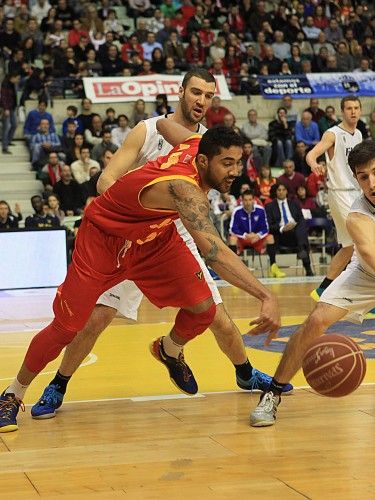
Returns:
(188, 324)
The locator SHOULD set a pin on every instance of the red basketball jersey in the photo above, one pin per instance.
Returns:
(119, 212)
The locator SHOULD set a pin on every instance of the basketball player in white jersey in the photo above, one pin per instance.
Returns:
(351, 295)
(142, 144)
(343, 189)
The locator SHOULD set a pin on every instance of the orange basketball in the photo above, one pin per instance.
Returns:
(334, 365)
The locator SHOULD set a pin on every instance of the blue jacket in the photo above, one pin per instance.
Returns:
(309, 135)
(243, 223)
(32, 122)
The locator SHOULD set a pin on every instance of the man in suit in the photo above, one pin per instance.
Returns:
(287, 224)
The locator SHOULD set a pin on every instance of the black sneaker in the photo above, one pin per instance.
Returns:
(9, 407)
(179, 372)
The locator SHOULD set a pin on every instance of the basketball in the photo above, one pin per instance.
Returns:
(334, 365)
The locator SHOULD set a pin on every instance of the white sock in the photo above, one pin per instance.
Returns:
(17, 389)
(171, 348)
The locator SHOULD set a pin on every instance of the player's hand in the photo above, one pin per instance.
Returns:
(269, 320)
(318, 169)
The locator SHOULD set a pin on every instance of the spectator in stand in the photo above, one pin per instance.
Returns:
(292, 29)
(292, 112)
(65, 14)
(195, 23)
(316, 112)
(257, 17)
(170, 67)
(264, 182)
(33, 119)
(7, 220)
(106, 157)
(323, 43)
(251, 60)
(310, 30)
(54, 209)
(110, 121)
(291, 179)
(161, 106)
(307, 204)
(307, 130)
(112, 65)
(280, 133)
(89, 187)
(139, 112)
(120, 133)
(299, 158)
(32, 31)
(80, 168)
(9, 38)
(158, 61)
(75, 152)
(67, 139)
(146, 68)
(85, 118)
(42, 143)
(250, 167)
(104, 145)
(8, 101)
(156, 22)
(149, 45)
(333, 33)
(260, 46)
(258, 134)
(331, 64)
(320, 20)
(235, 20)
(40, 219)
(281, 49)
(287, 224)
(48, 21)
(93, 135)
(273, 63)
(304, 46)
(76, 33)
(217, 68)
(345, 62)
(369, 48)
(131, 47)
(194, 54)
(69, 192)
(113, 25)
(329, 120)
(206, 35)
(249, 229)
(167, 8)
(364, 66)
(173, 47)
(215, 113)
(72, 112)
(40, 10)
(51, 172)
(295, 59)
(315, 182)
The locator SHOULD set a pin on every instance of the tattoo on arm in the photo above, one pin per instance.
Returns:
(192, 205)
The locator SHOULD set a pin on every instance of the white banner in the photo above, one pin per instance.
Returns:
(129, 89)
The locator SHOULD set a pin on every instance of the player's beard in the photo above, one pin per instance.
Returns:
(186, 113)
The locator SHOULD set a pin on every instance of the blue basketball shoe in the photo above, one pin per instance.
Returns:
(9, 408)
(49, 402)
(179, 372)
(259, 381)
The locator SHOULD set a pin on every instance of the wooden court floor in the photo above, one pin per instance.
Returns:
(125, 431)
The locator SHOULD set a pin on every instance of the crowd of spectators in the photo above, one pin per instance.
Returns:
(54, 40)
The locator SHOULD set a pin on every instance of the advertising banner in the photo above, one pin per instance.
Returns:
(131, 88)
(318, 85)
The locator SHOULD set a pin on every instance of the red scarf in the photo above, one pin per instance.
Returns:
(52, 175)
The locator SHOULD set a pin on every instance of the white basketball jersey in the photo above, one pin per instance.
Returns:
(155, 145)
(363, 206)
(339, 175)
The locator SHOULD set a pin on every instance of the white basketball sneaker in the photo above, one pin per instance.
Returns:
(264, 414)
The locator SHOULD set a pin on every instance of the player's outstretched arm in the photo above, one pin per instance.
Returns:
(124, 159)
(193, 207)
(173, 132)
(362, 229)
(326, 142)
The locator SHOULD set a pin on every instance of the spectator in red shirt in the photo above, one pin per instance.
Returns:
(215, 113)
(76, 33)
(194, 54)
(235, 20)
(206, 35)
(130, 48)
(291, 179)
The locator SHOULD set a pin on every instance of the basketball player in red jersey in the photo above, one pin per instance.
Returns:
(128, 233)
